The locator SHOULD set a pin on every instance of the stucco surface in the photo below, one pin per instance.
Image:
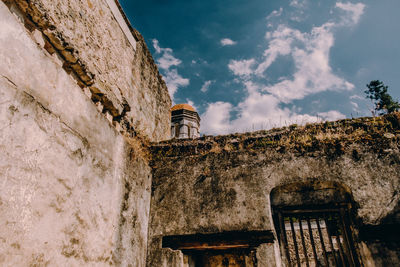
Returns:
(230, 191)
(78, 105)
(92, 45)
(64, 169)
(223, 183)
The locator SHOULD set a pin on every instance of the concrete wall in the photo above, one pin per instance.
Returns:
(218, 184)
(74, 97)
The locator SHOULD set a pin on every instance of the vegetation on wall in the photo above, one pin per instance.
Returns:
(384, 103)
(332, 137)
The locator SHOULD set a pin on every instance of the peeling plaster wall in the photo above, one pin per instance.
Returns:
(217, 184)
(73, 190)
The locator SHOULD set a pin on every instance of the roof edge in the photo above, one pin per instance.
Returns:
(123, 21)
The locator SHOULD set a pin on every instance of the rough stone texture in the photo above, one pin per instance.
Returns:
(125, 82)
(77, 106)
(266, 255)
(217, 184)
(73, 191)
(167, 257)
(383, 254)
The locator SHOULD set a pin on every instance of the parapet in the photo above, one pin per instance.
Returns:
(333, 137)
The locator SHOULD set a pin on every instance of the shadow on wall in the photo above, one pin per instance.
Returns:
(311, 193)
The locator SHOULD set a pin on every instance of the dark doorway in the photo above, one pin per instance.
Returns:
(227, 249)
(215, 258)
(316, 237)
(314, 225)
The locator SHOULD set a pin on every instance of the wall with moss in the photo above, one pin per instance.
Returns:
(223, 183)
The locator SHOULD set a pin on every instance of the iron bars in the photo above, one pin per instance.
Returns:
(316, 237)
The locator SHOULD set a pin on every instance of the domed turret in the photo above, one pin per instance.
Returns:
(185, 122)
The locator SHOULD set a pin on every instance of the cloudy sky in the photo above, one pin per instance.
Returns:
(257, 64)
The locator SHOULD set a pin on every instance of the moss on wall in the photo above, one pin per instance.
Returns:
(223, 183)
(331, 137)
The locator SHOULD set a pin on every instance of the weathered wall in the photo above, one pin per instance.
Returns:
(217, 184)
(122, 79)
(73, 190)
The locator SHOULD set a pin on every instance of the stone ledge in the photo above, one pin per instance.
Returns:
(123, 21)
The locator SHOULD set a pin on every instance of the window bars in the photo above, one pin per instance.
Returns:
(320, 237)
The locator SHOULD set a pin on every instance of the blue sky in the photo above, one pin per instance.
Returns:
(255, 64)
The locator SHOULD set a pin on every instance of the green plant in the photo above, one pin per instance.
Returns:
(378, 93)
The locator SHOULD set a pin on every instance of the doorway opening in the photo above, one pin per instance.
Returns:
(314, 225)
(227, 249)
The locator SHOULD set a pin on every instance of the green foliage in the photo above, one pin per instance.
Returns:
(384, 102)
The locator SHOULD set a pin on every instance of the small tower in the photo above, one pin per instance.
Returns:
(185, 122)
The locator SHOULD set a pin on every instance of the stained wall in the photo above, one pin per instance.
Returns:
(223, 183)
(112, 63)
(79, 100)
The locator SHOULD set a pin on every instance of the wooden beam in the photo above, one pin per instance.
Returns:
(218, 241)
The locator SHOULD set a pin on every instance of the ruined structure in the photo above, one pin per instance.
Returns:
(88, 176)
(239, 185)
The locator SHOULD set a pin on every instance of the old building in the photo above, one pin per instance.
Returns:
(89, 174)
(239, 198)
(185, 122)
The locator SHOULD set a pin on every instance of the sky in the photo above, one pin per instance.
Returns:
(249, 65)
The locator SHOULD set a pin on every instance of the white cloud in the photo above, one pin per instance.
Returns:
(257, 111)
(332, 115)
(263, 108)
(174, 80)
(216, 119)
(280, 44)
(298, 3)
(227, 41)
(310, 53)
(156, 46)
(205, 86)
(299, 13)
(355, 106)
(165, 61)
(355, 10)
(311, 58)
(241, 67)
(356, 97)
(275, 13)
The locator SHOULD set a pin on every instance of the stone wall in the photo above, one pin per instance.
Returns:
(77, 104)
(80, 97)
(120, 76)
(221, 184)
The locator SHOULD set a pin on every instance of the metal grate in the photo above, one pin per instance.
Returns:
(316, 237)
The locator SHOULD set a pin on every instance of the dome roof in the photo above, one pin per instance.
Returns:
(183, 106)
